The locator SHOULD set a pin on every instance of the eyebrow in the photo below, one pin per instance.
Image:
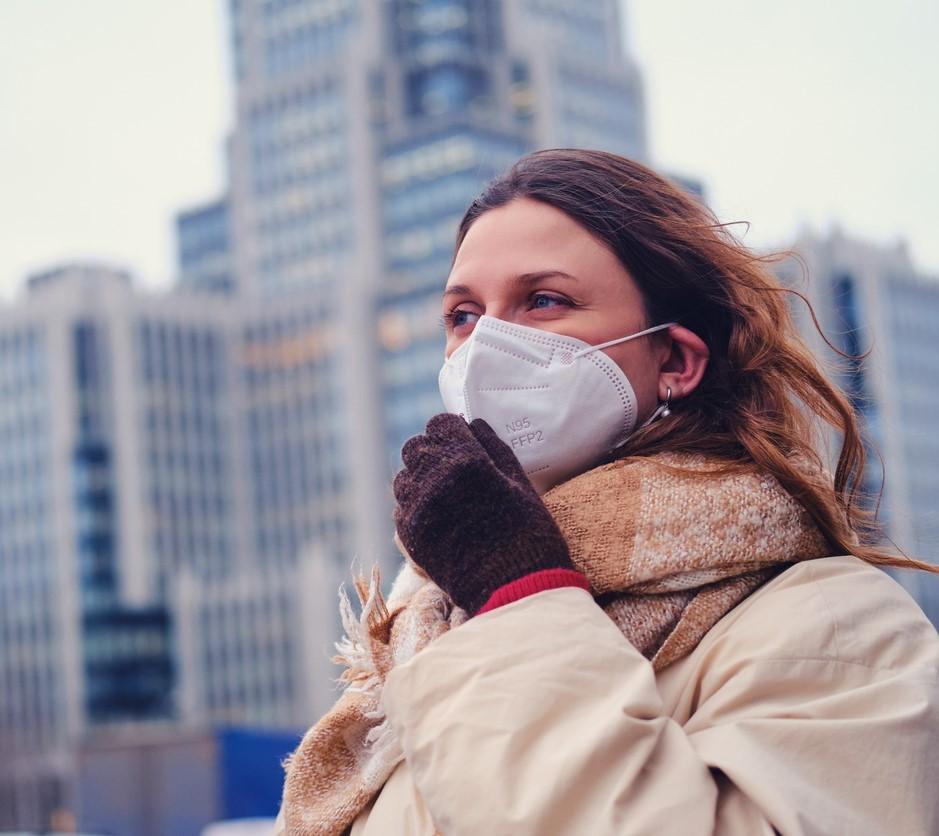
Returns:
(524, 279)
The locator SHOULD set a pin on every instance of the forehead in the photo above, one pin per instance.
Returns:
(526, 236)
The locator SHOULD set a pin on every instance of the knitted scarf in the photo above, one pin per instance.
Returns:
(668, 545)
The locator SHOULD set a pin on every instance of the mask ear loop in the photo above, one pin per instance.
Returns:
(663, 410)
(608, 343)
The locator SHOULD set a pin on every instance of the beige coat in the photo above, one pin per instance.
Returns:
(811, 708)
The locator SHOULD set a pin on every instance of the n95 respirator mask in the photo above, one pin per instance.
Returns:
(561, 404)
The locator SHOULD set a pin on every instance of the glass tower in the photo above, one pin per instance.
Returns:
(363, 131)
(37, 663)
(872, 299)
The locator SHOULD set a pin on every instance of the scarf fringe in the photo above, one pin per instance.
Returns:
(356, 647)
(363, 674)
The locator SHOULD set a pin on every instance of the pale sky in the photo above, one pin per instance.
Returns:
(113, 115)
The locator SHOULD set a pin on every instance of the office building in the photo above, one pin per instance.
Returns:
(469, 88)
(204, 249)
(255, 649)
(85, 633)
(870, 298)
(125, 430)
(363, 131)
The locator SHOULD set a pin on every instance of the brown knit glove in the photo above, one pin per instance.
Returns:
(467, 513)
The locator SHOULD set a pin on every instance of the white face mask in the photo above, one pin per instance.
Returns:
(560, 403)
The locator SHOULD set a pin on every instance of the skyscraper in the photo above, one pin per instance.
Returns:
(204, 249)
(870, 298)
(114, 479)
(150, 552)
(363, 131)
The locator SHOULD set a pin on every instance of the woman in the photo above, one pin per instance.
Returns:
(634, 601)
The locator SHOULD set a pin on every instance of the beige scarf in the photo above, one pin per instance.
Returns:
(669, 547)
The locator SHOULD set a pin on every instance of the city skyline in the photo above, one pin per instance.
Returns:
(91, 197)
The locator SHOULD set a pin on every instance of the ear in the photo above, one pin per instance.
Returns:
(685, 364)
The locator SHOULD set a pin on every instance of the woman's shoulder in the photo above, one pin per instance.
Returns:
(834, 608)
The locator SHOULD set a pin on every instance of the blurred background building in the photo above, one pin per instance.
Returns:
(872, 299)
(160, 565)
(185, 478)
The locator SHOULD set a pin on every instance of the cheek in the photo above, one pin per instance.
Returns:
(453, 343)
(640, 368)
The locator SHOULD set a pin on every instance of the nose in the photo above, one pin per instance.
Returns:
(499, 310)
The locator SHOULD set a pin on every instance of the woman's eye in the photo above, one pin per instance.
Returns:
(542, 300)
(459, 317)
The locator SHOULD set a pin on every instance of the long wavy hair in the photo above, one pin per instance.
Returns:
(764, 399)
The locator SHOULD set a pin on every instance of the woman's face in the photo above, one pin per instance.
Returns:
(529, 263)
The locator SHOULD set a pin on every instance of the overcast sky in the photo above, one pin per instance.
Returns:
(805, 112)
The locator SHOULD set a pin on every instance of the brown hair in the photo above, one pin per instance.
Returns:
(763, 394)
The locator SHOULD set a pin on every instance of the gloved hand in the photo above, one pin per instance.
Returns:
(469, 517)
